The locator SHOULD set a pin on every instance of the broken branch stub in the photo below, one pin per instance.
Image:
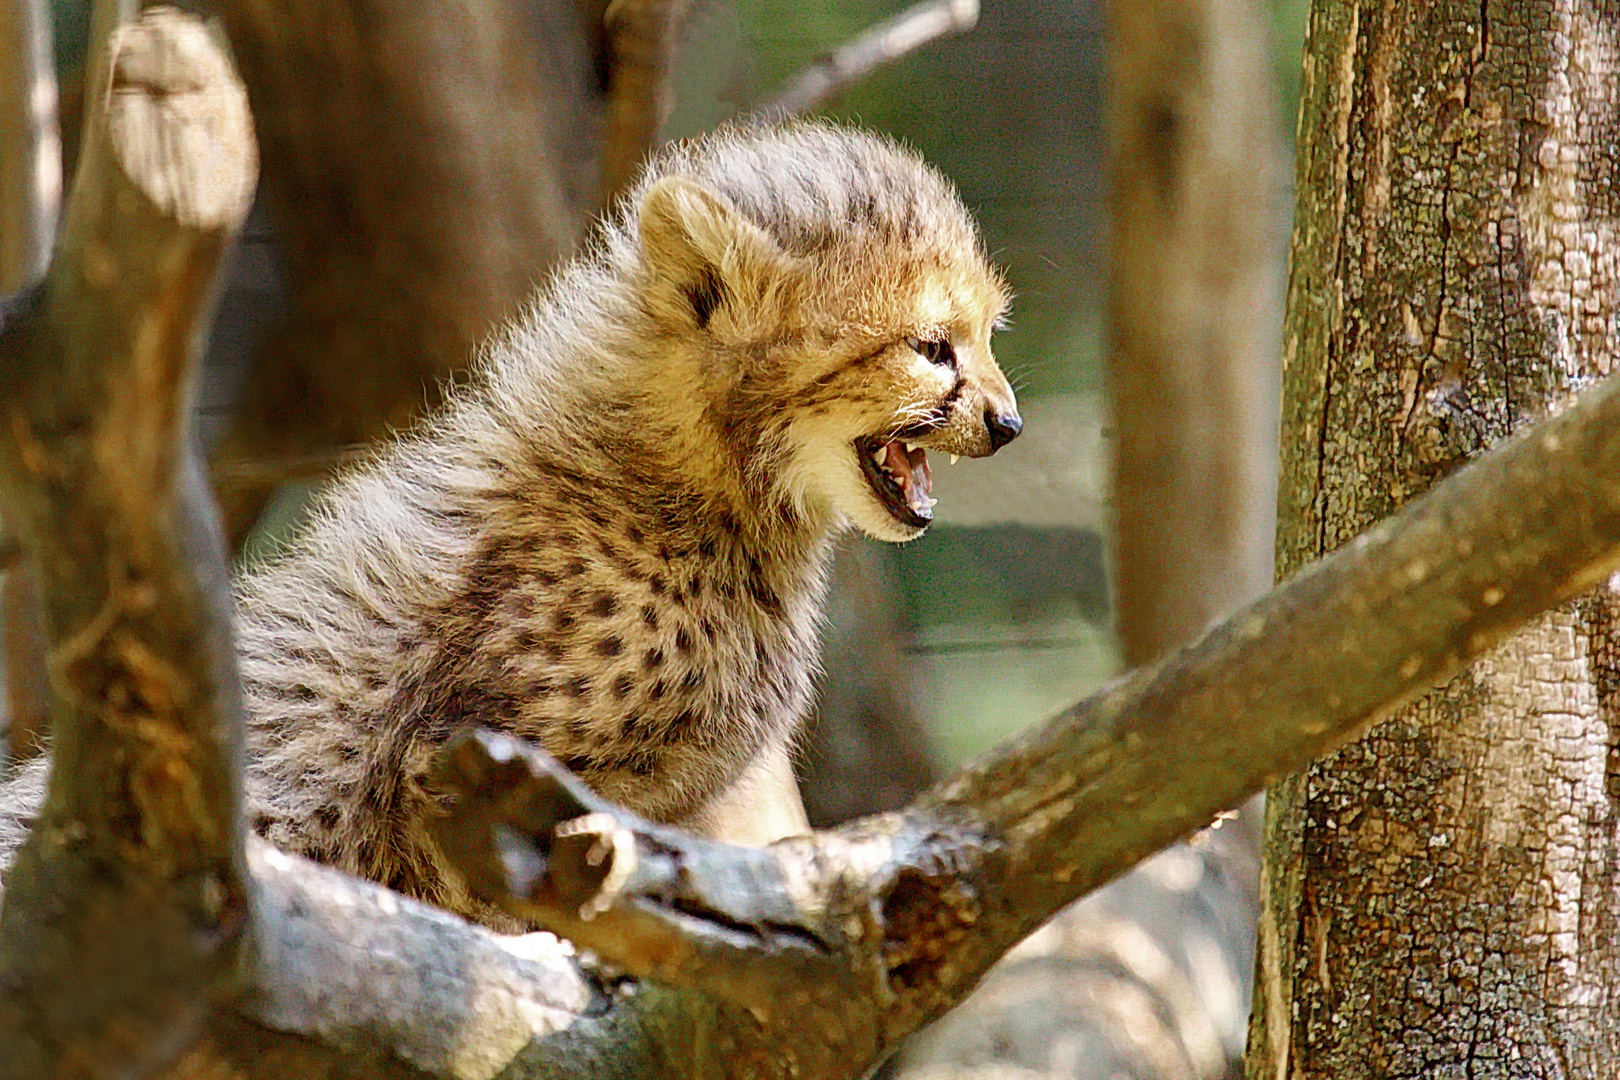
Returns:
(125, 912)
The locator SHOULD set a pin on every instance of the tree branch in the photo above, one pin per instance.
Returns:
(871, 52)
(865, 933)
(642, 36)
(125, 912)
(30, 147)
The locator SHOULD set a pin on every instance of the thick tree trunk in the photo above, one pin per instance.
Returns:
(1443, 897)
(424, 168)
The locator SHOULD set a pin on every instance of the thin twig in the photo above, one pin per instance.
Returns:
(870, 52)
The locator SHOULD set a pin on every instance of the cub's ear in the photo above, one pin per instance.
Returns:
(707, 260)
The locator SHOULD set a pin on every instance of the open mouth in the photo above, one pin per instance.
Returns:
(899, 476)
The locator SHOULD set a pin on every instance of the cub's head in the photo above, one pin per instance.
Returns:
(826, 300)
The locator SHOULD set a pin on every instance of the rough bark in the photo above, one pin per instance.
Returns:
(1442, 898)
(425, 165)
(126, 912)
(1192, 315)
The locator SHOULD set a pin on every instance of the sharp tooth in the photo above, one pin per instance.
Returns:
(909, 446)
(954, 458)
(933, 502)
(878, 456)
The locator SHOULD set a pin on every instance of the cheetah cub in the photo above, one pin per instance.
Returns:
(614, 542)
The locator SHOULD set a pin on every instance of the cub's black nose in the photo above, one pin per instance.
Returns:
(1003, 427)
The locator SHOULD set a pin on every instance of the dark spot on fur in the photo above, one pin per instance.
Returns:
(609, 646)
(685, 720)
(562, 619)
(301, 692)
(643, 764)
(329, 816)
(709, 629)
(706, 549)
(574, 568)
(695, 589)
(652, 658)
(693, 680)
(728, 590)
(634, 534)
(529, 639)
(683, 641)
(578, 764)
(649, 615)
(595, 516)
(604, 605)
(761, 656)
(659, 689)
(555, 650)
(579, 686)
(542, 577)
(622, 686)
(348, 753)
(657, 584)
(261, 822)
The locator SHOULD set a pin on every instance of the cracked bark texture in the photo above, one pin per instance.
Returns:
(1442, 897)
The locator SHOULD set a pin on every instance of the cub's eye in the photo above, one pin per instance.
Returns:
(935, 352)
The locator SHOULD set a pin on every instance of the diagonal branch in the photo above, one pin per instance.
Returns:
(125, 912)
(871, 52)
(868, 932)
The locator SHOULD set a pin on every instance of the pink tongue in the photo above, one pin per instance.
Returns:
(910, 471)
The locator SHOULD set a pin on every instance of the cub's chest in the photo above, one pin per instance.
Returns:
(640, 668)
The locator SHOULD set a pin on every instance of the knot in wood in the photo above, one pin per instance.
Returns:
(924, 916)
